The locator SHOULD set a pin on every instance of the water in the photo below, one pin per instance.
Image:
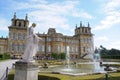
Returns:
(68, 57)
(82, 68)
(87, 67)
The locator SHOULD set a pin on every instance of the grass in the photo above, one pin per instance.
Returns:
(50, 76)
(113, 76)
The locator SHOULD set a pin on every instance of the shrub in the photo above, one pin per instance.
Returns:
(4, 56)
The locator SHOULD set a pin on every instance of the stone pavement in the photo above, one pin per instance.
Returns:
(4, 65)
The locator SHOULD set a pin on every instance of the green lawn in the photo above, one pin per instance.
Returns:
(50, 76)
(4, 60)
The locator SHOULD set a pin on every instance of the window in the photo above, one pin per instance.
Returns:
(19, 36)
(59, 39)
(12, 47)
(23, 37)
(23, 47)
(18, 48)
(19, 23)
(49, 39)
(14, 36)
(43, 39)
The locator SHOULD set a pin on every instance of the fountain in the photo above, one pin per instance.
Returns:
(68, 68)
(68, 57)
(82, 68)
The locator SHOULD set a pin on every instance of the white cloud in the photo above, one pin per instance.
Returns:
(101, 39)
(83, 15)
(107, 42)
(114, 44)
(4, 24)
(47, 14)
(112, 15)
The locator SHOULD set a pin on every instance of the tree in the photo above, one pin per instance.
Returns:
(62, 55)
(111, 54)
(54, 55)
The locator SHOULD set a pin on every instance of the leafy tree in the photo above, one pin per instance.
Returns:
(111, 54)
(4, 56)
(54, 55)
(58, 56)
(62, 55)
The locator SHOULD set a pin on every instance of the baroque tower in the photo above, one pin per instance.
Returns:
(83, 33)
(17, 36)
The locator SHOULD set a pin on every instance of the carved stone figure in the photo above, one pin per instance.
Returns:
(31, 47)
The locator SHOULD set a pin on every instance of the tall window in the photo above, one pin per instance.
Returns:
(19, 23)
(19, 36)
(23, 37)
(18, 48)
(14, 36)
(43, 39)
(12, 47)
(23, 47)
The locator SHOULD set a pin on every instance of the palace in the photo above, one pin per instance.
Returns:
(80, 44)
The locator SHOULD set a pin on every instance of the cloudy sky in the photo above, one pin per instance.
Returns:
(103, 16)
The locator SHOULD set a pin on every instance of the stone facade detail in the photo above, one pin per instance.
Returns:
(81, 43)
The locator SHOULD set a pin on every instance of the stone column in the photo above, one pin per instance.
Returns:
(26, 71)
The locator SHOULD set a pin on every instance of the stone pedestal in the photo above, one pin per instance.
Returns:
(25, 71)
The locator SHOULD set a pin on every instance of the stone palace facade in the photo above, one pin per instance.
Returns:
(80, 44)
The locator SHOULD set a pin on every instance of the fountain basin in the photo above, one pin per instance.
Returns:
(85, 68)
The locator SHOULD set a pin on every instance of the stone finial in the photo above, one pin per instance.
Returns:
(80, 23)
(76, 26)
(26, 17)
(14, 15)
(88, 24)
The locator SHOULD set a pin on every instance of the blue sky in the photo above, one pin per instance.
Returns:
(103, 16)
